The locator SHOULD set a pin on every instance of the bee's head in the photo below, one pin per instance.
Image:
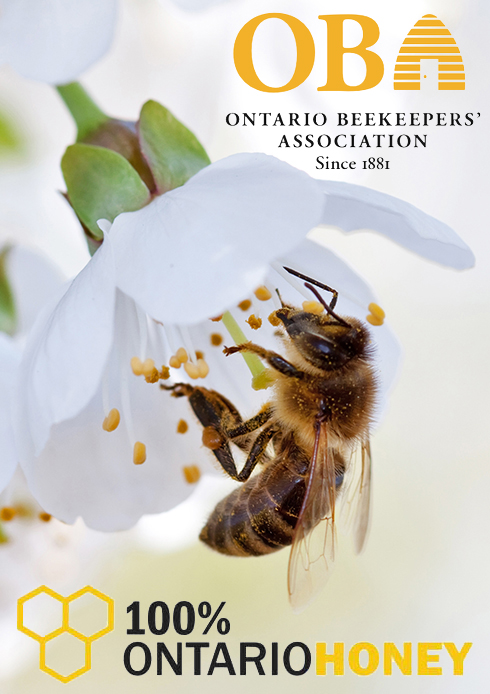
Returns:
(327, 341)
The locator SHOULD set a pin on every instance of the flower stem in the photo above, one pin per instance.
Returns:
(86, 114)
(253, 362)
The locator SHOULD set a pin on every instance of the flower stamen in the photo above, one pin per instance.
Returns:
(192, 474)
(376, 315)
(216, 339)
(262, 293)
(139, 453)
(111, 422)
(7, 513)
(182, 426)
(313, 307)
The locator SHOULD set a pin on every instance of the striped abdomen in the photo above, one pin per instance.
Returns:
(260, 516)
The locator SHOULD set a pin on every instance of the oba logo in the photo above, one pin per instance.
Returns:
(428, 56)
(65, 627)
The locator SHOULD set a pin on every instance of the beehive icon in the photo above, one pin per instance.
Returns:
(66, 630)
(429, 40)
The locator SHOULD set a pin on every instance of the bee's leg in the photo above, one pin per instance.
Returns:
(272, 358)
(251, 424)
(256, 452)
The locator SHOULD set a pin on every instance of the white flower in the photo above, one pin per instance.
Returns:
(32, 281)
(54, 41)
(188, 255)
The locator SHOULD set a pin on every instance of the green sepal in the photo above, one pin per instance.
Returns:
(101, 184)
(8, 314)
(173, 153)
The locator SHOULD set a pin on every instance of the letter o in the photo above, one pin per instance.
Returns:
(305, 52)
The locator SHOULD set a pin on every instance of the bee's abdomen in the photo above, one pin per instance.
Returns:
(259, 517)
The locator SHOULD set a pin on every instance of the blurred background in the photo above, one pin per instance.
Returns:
(425, 573)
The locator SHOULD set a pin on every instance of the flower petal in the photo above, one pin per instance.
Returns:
(9, 361)
(353, 207)
(53, 41)
(220, 229)
(86, 471)
(67, 351)
(34, 280)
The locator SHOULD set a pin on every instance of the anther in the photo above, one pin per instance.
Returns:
(139, 453)
(137, 366)
(164, 373)
(192, 474)
(111, 422)
(313, 307)
(199, 354)
(274, 320)
(211, 438)
(245, 305)
(376, 316)
(202, 367)
(262, 381)
(182, 355)
(216, 339)
(7, 513)
(262, 293)
(174, 362)
(153, 377)
(216, 319)
(148, 366)
(45, 517)
(191, 370)
(182, 426)
(254, 322)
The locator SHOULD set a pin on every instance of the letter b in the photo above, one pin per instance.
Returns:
(336, 51)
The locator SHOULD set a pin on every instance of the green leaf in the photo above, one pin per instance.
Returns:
(173, 153)
(101, 184)
(8, 315)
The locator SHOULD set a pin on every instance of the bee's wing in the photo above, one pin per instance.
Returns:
(354, 497)
(314, 537)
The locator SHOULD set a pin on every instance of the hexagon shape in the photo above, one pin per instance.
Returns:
(96, 620)
(65, 656)
(40, 613)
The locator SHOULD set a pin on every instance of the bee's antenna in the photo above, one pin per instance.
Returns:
(318, 284)
(327, 308)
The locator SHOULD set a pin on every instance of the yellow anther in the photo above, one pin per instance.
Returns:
(45, 517)
(199, 354)
(262, 381)
(254, 322)
(216, 319)
(164, 373)
(245, 305)
(182, 426)
(202, 367)
(7, 513)
(192, 474)
(216, 339)
(374, 320)
(148, 366)
(377, 315)
(181, 355)
(262, 293)
(274, 320)
(111, 422)
(153, 377)
(139, 453)
(191, 369)
(137, 366)
(174, 362)
(313, 307)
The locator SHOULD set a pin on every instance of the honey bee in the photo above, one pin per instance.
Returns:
(316, 424)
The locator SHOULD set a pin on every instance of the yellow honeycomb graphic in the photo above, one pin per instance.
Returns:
(65, 627)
